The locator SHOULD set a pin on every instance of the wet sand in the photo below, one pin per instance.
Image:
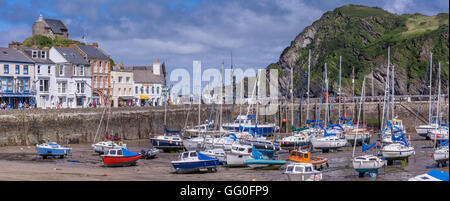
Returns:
(22, 163)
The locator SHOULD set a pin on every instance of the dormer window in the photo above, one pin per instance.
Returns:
(43, 55)
(34, 54)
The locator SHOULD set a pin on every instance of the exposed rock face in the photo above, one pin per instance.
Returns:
(361, 36)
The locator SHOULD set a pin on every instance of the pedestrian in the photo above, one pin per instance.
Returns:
(93, 104)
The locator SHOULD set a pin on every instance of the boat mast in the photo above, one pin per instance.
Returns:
(393, 92)
(430, 100)
(292, 99)
(386, 92)
(340, 71)
(359, 114)
(438, 104)
(221, 96)
(307, 92)
(326, 97)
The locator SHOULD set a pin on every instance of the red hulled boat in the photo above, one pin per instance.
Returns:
(120, 157)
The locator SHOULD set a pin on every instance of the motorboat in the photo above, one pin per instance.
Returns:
(198, 143)
(218, 153)
(261, 144)
(247, 123)
(52, 149)
(328, 142)
(300, 156)
(302, 172)
(238, 154)
(297, 140)
(433, 175)
(167, 142)
(193, 161)
(101, 147)
(257, 161)
(117, 157)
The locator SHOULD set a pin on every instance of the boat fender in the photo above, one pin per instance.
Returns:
(120, 143)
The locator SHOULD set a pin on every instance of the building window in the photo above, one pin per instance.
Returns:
(142, 90)
(148, 90)
(137, 91)
(94, 81)
(157, 90)
(39, 69)
(43, 85)
(74, 70)
(43, 56)
(17, 69)
(48, 68)
(25, 69)
(61, 87)
(118, 93)
(6, 68)
(80, 87)
(81, 69)
(79, 101)
(128, 79)
(153, 90)
(61, 70)
(34, 54)
(120, 79)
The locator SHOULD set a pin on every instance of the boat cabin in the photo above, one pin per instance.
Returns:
(114, 152)
(300, 168)
(298, 156)
(241, 149)
(188, 156)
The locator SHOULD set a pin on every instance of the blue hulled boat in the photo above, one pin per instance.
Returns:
(52, 149)
(192, 161)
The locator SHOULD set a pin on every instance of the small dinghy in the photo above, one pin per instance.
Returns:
(192, 161)
(120, 157)
(258, 162)
(433, 175)
(150, 153)
(52, 149)
(302, 172)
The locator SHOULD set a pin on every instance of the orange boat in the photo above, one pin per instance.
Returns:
(305, 157)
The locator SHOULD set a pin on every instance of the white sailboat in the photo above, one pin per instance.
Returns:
(441, 132)
(365, 163)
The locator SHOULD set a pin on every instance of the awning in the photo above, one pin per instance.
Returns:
(143, 97)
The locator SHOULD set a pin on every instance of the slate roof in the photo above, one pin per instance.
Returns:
(28, 52)
(12, 55)
(93, 52)
(72, 55)
(146, 76)
(57, 26)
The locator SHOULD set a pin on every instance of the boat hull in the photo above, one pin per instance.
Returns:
(397, 155)
(263, 163)
(236, 160)
(167, 145)
(53, 151)
(304, 176)
(194, 166)
(441, 156)
(120, 161)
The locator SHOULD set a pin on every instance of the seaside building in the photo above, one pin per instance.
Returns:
(44, 76)
(16, 79)
(73, 78)
(122, 90)
(50, 28)
(100, 71)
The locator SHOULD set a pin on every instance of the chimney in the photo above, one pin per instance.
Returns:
(156, 67)
(95, 44)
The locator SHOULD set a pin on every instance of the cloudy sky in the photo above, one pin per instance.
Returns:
(175, 31)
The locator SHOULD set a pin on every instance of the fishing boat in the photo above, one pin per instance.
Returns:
(52, 149)
(328, 143)
(302, 172)
(297, 140)
(218, 153)
(257, 161)
(238, 154)
(193, 161)
(433, 175)
(300, 156)
(120, 157)
(101, 147)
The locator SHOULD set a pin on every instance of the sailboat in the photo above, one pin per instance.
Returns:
(365, 163)
(171, 140)
(440, 132)
(440, 154)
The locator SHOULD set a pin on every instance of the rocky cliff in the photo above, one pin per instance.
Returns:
(361, 35)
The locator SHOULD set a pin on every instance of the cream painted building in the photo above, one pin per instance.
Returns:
(122, 85)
